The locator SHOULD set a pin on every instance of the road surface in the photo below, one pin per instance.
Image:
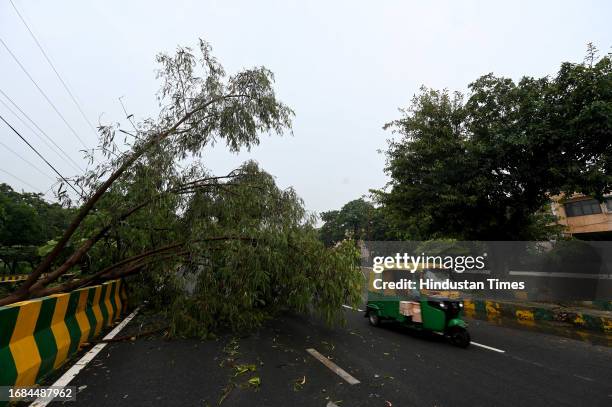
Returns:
(393, 367)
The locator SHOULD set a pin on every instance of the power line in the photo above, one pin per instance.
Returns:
(73, 163)
(40, 155)
(43, 93)
(57, 150)
(76, 103)
(21, 180)
(26, 161)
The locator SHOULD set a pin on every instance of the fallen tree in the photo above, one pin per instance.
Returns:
(152, 211)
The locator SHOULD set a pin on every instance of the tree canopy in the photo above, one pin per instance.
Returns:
(484, 166)
(26, 222)
(27, 219)
(358, 220)
(153, 211)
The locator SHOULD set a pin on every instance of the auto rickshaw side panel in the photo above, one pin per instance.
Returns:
(433, 318)
(385, 302)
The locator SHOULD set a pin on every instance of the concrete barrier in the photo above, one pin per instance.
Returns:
(37, 336)
(13, 278)
(530, 314)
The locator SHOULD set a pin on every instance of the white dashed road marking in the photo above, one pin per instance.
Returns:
(333, 367)
(487, 347)
(354, 309)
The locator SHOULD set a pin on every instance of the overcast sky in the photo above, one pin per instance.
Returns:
(344, 67)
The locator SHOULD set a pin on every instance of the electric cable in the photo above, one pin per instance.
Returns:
(40, 47)
(26, 161)
(21, 180)
(40, 155)
(44, 133)
(43, 93)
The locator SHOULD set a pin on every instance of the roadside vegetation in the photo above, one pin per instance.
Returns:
(27, 224)
(484, 165)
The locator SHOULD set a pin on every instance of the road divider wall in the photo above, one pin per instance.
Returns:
(37, 336)
(532, 314)
(13, 278)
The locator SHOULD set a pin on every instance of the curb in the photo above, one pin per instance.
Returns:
(530, 315)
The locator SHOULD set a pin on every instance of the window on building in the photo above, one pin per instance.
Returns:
(587, 207)
(609, 204)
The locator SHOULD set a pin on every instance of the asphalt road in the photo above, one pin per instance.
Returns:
(395, 368)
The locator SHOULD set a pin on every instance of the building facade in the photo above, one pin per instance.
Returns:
(584, 217)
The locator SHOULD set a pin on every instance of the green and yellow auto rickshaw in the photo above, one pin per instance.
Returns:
(439, 312)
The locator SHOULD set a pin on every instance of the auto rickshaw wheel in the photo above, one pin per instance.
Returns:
(373, 318)
(459, 337)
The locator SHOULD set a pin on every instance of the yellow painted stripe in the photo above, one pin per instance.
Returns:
(469, 308)
(492, 307)
(493, 312)
(11, 279)
(118, 297)
(107, 302)
(579, 320)
(96, 309)
(20, 303)
(81, 317)
(60, 330)
(17, 277)
(525, 317)
(606, 323)
(23, 346)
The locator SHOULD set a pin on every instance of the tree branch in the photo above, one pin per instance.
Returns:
(24, 290)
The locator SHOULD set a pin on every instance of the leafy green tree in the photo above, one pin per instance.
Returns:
(17, 258)
(383, 225)
(20, 223)
(331, 231)
(482, 168)
(277, 263)
(153, 213)
(357, 219)
(27, 219)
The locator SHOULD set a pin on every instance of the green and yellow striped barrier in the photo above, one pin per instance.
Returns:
(37, 336)
(13, 278)
(530, 315)
(22, 277)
